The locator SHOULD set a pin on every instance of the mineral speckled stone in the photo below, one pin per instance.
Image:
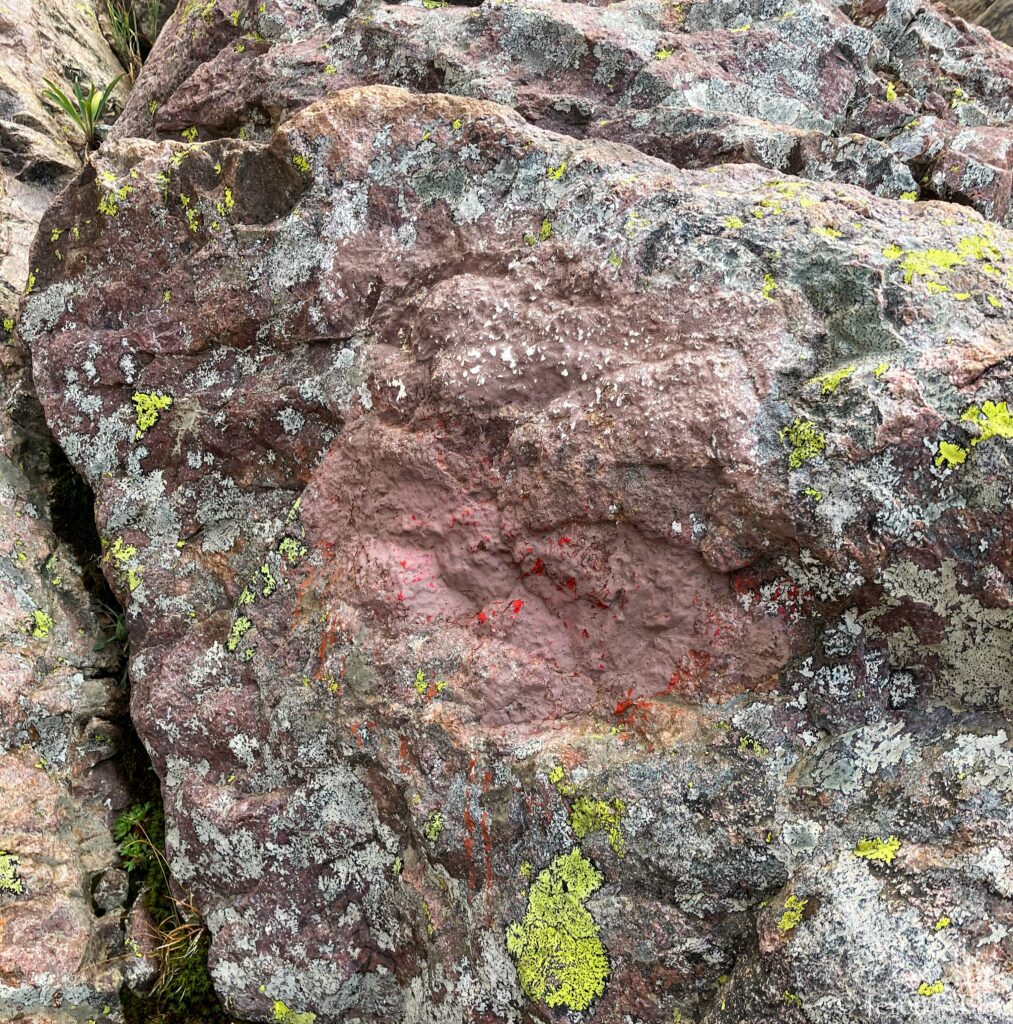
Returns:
(555, 459)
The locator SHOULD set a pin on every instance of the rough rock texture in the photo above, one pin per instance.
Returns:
(895, 97)
(61, 702)
(40, 39)
(995, 15)
(558, 579)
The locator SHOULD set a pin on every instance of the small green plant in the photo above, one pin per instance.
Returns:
(115, 626)
(126, 35)
(184, 993)
(84, 109)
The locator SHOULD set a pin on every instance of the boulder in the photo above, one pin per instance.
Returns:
(557, 579)
(63, 702)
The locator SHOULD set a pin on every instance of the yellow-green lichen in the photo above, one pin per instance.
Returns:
(943, 922)
(734, 223)
(41, 624)
(10, 883)
(749, 745)
(769, 287)
(587, 816)
(935, 989)
(292, 550)
(792, 916)
(830, 382)
(557, 777)
(240, 628)
(560, 957)
(805, 441)
(555, 173)
(270, 583)
(878, 849)
(283, 1015)
(950, 455)
(993, 419)
(124, 555)
(433, 827)
(148, 405)
(301, 163)
(791, 999)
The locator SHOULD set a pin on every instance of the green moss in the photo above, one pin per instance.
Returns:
(41, 624)
(10, 883)
(283, 1015)
(185, 993)
(805, 440)
(240, 628)
(935, 989)
(149, 405)
(792, 916)
(878, 849)
(433, 827)
(587, 816)
(560, 957)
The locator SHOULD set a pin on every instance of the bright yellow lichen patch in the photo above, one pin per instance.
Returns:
(805, 440)
(925, 989)
(149, 405)
(950, 455)
(283, 1015)
(9, 881)
(589, 816)
(830, 382)
(560, 957)
(125, 557)
(992, 418)
(793, 910)
(878, 849)
(41, 624)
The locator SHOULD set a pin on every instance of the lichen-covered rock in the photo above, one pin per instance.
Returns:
(62, 702)
(897, 97)
(556, 580)
(40, 39)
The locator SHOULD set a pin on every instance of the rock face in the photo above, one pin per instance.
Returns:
(561, 578)
(995, 15)
(61, 701)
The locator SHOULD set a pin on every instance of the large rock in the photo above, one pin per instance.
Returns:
(62, 703)
(995, 15)
(896, 97)
(556, 580)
